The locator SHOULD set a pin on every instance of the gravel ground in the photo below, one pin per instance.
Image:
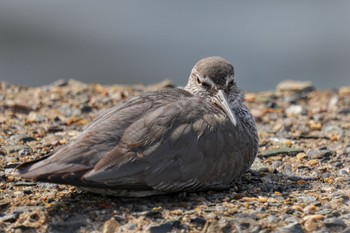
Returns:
(299, 182)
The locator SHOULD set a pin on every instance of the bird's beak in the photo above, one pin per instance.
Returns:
(221, 100)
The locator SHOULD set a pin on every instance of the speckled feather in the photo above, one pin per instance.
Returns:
(161, 142)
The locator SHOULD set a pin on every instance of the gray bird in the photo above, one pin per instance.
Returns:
(197, 138)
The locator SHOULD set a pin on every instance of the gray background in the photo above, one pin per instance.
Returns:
(148, 41)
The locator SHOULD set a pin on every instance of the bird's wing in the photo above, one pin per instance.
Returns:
(100, 137)
(186, 144)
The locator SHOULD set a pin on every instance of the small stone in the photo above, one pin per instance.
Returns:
(344, 91)
(292, 85)
(132, 227)
(347, 230)
(57, 83)
(297, 207)
(315, 217)
(332, 104)
(315, 125)
(341, 179)
(19, 107)
(332, 131)
(291, 228)
(310, 225)
(262, 199)
(199, 221)
(86, 109)
(307, 199)
(219, 208)
(18, 193)
(3, 119)
(291, 219)
(31, 219)
(110, 226)
(165, 227)
(248, 199)
(250, 97)
(282, 151)
(211, 216)
(9, 217)
(310, 209)
(263, 169)
(278, 193)
(295, 110)
(345, 171)
(300, 156)
(319, 154)
(273, 219)
(25, 149)
(11, 179)
(340, 195)
(301, 182)
(246, 225)
(276, 164)
(335, 224)
(313, 162)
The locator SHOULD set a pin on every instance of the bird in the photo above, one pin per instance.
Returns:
(196, 138)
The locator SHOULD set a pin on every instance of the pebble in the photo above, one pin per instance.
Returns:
(164, 227)
(110, 226)
(198, 220)
(344, 91)
(9, 218)
(306, 199)
(291, 228)
(340, 195)
(24, 149)
(246, 225)
(335, 224)
(313, 162)
(292, 85)
(295, 110)
(291, 219)
(273, 219)
(310, 209)
(345, 171)
(262, 199)
(310, 225)
(285, 151)
(319, 154)
(315, 125)
(316, 217)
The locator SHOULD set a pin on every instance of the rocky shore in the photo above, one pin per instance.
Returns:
(299, 182)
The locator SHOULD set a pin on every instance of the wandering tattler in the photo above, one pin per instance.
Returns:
(196, 138)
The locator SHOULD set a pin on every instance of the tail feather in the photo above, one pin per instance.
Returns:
(44, 170)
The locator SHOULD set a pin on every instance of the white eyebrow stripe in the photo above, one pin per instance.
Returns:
(229, 80)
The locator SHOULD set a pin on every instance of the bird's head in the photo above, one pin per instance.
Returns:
(213, 78)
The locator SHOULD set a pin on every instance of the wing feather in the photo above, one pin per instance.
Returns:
(165, 141)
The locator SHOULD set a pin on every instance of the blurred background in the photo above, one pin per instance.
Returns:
(132, 42)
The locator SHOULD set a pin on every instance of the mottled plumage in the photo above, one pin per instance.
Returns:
(168, 141)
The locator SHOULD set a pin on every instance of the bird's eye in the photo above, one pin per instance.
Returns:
(230, 83)
(206, 85)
